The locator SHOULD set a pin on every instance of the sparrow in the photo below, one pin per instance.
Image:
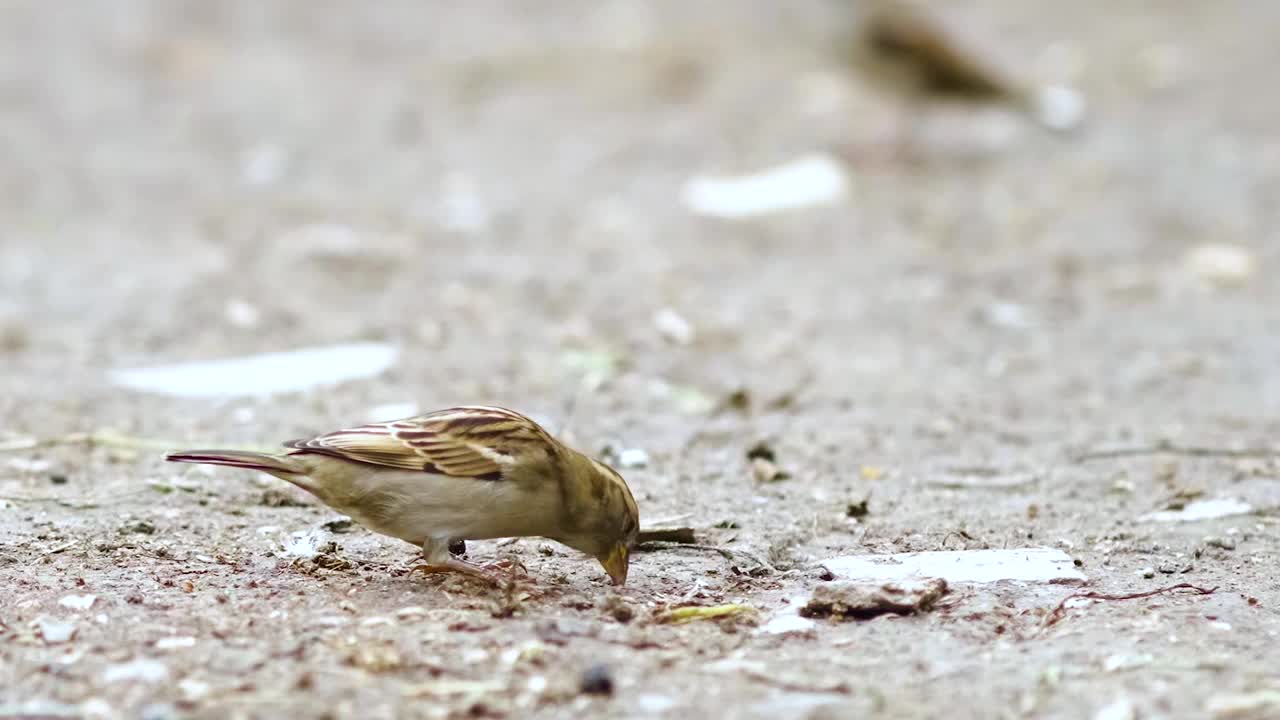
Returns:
(903, 50)
(901, 47)
(465, 473)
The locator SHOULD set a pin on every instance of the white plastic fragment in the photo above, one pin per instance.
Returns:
(33, 465)
(653, 705)
(633, 458)
(141, 669)
(1221, 264)
(786, 625)
(1201, 510)
(788, 621)
(807, 181)
(77, 602)
(264, 374)
(1118, 662)
(302, 545)
(54, 631)
(673, 327)
(173, 643)
(961, 566)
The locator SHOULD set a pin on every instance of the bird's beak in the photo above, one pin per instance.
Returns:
(615, 563)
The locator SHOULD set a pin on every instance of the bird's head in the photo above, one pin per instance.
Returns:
(607, 519)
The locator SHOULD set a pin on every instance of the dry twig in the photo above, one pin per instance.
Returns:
(1061, 610)
(681, 535)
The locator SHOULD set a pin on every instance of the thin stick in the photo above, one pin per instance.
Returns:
(59, 548)
(1061, 610)
(726, 553)
(681, 535)
(798, 686)
(1171, 449)
(667, 520)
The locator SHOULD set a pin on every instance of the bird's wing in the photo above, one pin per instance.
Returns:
(473, 441)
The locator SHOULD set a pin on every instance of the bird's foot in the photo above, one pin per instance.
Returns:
(490, 573)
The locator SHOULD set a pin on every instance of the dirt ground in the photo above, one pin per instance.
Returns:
(495, 189)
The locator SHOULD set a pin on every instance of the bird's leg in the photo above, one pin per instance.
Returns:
(438, 559)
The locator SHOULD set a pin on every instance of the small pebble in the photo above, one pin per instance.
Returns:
(1059, 108)
(765, 471)
(597, 680)
(140, 527)
(241, 314)
(340, 525)
(1008, 315)
(412, 612)
(1224, 543)
(13, 335)
(618, 609)
(673, 327)
(1148, 572)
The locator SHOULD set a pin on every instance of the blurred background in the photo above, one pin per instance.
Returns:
(971, 244)
(502, 190)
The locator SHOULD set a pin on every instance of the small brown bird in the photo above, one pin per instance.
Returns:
(465, 473)
(906, 51)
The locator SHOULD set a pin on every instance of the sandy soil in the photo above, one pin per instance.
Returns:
(494, 187)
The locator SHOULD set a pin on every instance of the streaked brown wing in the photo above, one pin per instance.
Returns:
(476, 441)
